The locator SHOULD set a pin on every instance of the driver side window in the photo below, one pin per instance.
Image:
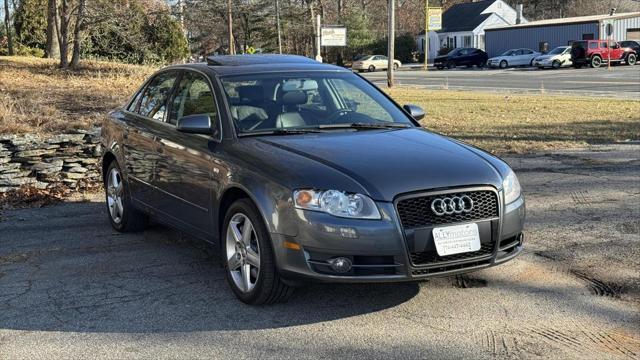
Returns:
(193, 96)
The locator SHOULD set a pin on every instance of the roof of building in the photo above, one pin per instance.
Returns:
(570, 20)
(465, 16)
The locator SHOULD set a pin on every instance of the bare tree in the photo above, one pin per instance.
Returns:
(75, 59)
(52, 48)
(7, 25)
(63, 33)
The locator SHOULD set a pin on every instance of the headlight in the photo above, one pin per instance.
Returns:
(337, 203)
(511, 187)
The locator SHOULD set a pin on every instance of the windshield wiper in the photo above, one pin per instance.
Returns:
(283, 131)
(359, 125)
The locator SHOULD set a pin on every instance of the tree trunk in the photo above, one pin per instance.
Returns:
(52, 50)
(75, 59)
(64, 34)
(7, 25)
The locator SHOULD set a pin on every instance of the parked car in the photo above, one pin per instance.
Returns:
(461, 57)
(631, 46)
(349, 63)
(597, 52)
(374, 62)
(556, 58)
(300, 170)
(514, 57)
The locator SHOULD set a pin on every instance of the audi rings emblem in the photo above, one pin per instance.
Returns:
(451, 205)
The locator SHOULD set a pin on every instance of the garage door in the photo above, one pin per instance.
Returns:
(633, 34)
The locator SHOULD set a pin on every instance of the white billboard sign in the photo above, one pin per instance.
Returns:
(333, 36)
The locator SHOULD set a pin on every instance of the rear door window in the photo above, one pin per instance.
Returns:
(153, 103)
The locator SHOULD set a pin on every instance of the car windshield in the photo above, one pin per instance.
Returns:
(302, 101)
(556, 51)
(455, 51)
(509, 53)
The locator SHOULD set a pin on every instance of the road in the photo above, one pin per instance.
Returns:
(70, 287)
(621, 81)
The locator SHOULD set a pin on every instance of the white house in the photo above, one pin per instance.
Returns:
(463, 24)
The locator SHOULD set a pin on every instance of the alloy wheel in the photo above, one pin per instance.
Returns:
(115, 191)
(243, 252)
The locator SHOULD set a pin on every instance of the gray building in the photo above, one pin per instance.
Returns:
(547, 34)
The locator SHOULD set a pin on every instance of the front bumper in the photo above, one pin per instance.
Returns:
(380, 249)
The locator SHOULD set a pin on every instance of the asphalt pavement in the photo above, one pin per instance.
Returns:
(71, 287)
(621, 81)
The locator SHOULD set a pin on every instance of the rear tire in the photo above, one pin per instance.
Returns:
(395, 66)
(267, 287)
(631, 59)
(372, 68)
(596, 61)
(122, 215)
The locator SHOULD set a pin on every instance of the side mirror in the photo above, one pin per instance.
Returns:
(415, 111)
(195, 124)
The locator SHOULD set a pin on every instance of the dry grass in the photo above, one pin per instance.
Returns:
(525, 123)
(37, 97)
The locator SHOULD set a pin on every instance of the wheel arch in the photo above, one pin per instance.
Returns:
(272, 204)
(107, 158)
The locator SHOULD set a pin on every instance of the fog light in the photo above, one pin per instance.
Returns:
(340, 264)
(520, 239)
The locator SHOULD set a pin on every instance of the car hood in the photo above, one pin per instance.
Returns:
(497, 58)
(385, 163)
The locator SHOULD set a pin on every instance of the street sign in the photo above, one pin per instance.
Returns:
(333, 36)
(609, 27)
(435, 19)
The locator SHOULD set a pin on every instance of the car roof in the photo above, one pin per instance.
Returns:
(259, 63)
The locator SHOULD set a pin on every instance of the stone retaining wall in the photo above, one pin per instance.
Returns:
(70, 160)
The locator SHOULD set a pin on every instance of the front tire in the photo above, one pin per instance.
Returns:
(372, 68)
(122, 215)
(503, 64)
(395, 66)
(248, 257)
(556, 64)
(631, 59)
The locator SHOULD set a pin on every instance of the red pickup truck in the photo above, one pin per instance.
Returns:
(597, 52)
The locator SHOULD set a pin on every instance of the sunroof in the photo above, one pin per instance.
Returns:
(257, 59)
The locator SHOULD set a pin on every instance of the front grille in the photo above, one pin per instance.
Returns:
(416, 212)
(432, 257)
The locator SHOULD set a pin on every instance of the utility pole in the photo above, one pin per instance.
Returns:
(391, 42)
(425, 46)
(232, 47)
(318, 39)
(278, 26)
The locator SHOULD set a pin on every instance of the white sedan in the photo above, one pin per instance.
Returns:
(373, 63)
(556, 58)
(514, 57)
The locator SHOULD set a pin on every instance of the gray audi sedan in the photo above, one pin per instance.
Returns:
(303, 171)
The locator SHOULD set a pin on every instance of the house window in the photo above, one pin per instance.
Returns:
(467, 41)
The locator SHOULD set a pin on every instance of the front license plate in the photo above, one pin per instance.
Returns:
(456, 239)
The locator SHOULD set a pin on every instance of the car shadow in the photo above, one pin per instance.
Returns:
(62, 268)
